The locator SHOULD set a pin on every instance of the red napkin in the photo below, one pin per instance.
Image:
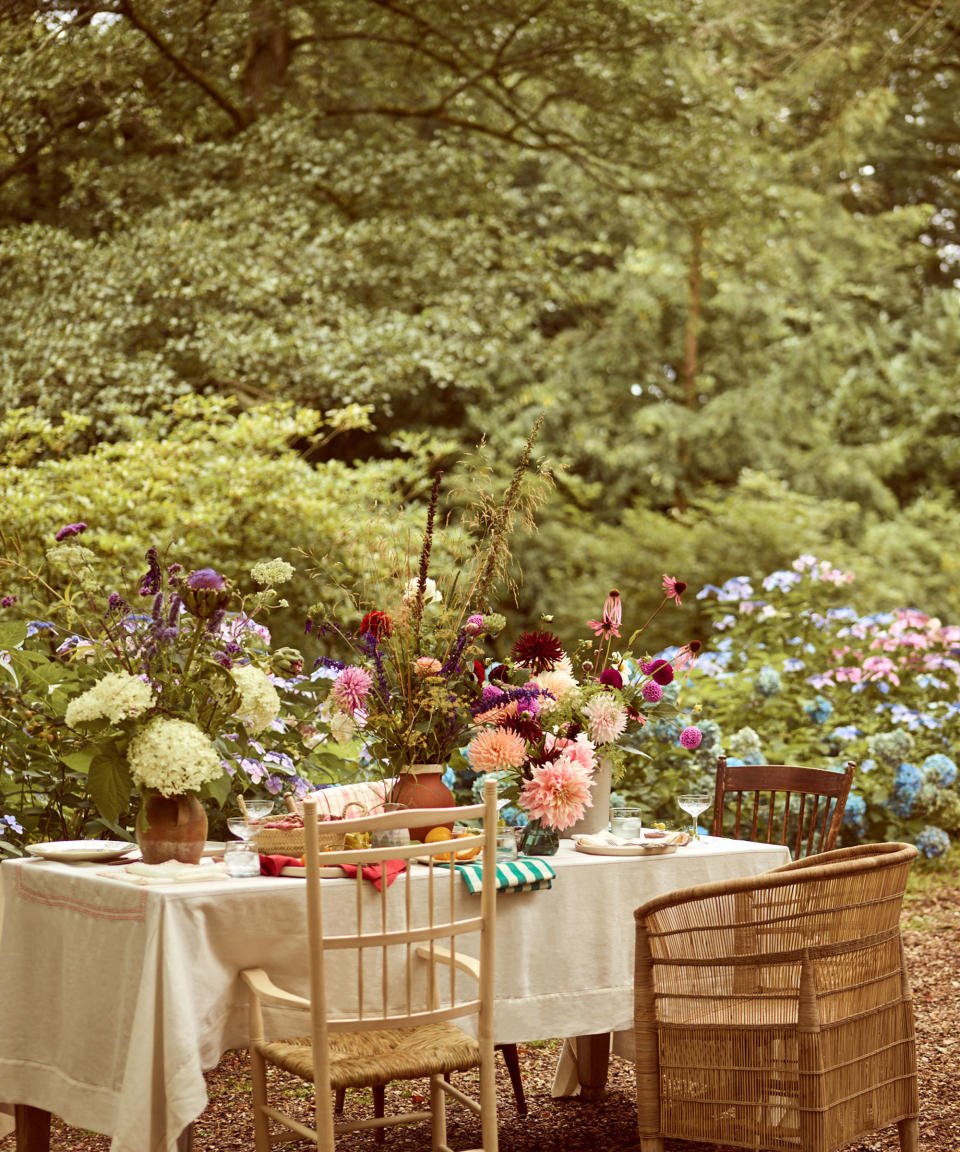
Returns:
(375, 873)
(272, 865)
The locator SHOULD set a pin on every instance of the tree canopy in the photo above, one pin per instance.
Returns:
(714, 243)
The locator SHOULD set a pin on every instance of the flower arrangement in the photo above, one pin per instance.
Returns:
(405, 693)
(176, 699)
(544, 718)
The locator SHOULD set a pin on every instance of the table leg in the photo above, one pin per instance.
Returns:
(185, 1139)
(593, 1058)
(32, 1127)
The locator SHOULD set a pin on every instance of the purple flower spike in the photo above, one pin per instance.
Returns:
(8, 601)
(70, 530)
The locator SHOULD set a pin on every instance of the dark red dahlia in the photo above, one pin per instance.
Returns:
(479, 671)
(662, 671)
(376, 622)
(538, 651)
(530, 730)
(612, 677)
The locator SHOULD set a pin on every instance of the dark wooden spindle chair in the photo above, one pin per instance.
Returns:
(783, 804)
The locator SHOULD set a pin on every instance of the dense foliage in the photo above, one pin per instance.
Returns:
(715, 243)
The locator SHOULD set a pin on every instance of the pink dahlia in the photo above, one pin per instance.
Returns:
(652, 692)
(606, 718)
(350, 689)
(427, 666)
(557, 794)
(495, 749)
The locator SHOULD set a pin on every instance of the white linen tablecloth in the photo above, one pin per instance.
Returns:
(117, 997)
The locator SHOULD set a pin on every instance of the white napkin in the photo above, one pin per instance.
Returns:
(608, 840)
(169, 872)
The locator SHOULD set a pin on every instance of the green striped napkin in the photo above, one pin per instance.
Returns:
(527, 874)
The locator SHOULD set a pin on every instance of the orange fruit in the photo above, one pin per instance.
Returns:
(436, 834)
(467, 853)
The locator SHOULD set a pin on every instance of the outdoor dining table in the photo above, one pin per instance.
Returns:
(116, 997)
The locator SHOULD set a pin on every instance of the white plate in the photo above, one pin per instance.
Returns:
(73, 851)
(625, 849)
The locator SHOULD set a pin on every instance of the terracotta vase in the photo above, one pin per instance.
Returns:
(597, 817)
(422, 786)
(171, 828)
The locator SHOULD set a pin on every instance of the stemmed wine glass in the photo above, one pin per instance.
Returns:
(244, 824)
(694, 803)
(240, 826)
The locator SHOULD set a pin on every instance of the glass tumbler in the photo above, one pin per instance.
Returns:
(626, 822)
(241, 858)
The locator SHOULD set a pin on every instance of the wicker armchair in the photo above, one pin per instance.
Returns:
(386, 988)
(774, 1012)
(806, 803)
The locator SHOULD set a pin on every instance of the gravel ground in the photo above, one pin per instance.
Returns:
(932, 935)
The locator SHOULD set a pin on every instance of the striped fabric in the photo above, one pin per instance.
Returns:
(527, 874)
(367, 798)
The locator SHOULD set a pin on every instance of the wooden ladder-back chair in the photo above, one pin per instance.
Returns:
(806, 803)
(386, 988)
(774, 1012)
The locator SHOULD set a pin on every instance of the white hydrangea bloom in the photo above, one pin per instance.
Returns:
(118, 696)
(172, 757)
(259, 701)
(272, 572)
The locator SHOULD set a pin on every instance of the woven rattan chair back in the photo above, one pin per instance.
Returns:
(388, 984)
(800, 807)
(774, 1012)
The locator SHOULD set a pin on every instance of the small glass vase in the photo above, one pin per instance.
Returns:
(537, 839)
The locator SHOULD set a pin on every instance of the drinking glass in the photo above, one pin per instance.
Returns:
(258, 810)
(694, 803)
(626, 822)
(240, 826)
(241, 858)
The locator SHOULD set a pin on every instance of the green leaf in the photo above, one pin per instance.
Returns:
(109, 782)
(80, 761)
(218, 789)
(12, 634)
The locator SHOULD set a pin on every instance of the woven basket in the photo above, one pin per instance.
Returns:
(291, 841)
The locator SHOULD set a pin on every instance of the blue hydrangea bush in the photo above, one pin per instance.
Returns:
(796, 675)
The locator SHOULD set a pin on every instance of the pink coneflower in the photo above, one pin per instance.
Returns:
(609, 625)
(691, 737)
(606, 718)
(495, 749)
(687, 654)
(557, 794)
(673, 589)
(350, 689)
